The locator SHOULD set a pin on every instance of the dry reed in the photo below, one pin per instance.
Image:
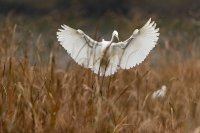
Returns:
(41, 98)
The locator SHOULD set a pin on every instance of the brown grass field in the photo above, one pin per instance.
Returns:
(41, 98)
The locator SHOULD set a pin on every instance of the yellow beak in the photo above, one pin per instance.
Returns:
(117, 38)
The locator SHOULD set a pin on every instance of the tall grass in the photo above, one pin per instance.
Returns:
(41, 98)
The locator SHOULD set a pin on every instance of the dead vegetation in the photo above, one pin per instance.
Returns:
(41, 98)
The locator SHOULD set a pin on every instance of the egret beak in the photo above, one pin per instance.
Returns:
(117, 38)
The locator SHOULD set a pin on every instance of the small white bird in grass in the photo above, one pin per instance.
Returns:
(106, 57)
(160, 93)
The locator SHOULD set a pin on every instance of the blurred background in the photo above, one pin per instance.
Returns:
(35, 22)
(37, 97)
(98, 8)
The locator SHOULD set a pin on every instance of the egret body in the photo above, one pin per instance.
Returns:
(106, 57)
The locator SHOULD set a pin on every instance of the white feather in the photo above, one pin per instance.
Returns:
(160, 93)
(81, 48)
(138, 46)
(106, 57)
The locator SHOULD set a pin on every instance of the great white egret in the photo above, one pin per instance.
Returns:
(106, 57)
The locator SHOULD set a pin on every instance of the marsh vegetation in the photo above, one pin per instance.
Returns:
(43, 90)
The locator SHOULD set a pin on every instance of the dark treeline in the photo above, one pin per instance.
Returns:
(99, 7)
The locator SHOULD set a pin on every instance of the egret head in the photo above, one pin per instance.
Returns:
(115, 34)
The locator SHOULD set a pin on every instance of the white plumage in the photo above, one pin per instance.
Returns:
(106, 57)
(160, 93)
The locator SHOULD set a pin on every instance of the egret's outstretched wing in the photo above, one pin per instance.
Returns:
(137, 47)
(83, 49)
